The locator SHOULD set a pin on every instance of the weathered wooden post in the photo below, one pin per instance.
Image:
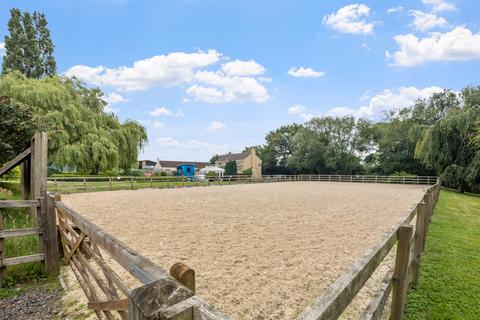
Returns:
(160, 300)
(419, 241)
(151, 182)
(110, 183)
(49, 235)
(400, 276)
(3, 269)
(183, 274)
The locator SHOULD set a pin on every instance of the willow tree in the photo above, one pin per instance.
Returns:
(82, 135)
(450, 146)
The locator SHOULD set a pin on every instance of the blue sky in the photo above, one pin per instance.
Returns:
(212, 76)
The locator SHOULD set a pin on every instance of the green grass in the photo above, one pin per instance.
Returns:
(449, 286)
(19, 246)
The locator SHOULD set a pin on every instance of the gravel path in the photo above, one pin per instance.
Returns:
(33, 304)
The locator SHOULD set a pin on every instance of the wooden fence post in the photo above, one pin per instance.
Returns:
(183, 274)
(400, 277)
(419, 241)
(49, 235)
(85, 184)
(3, 270)
(110, 183)
(155, 301)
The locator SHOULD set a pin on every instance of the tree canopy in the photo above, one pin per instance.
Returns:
(439, 135)
(29, 47)
(82, 135)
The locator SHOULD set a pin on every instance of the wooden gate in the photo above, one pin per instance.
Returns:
(41, 207)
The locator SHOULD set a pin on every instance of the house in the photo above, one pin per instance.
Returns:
(167, 166)
(245, 160)
(146, 164)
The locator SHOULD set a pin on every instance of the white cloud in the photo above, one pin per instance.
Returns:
(439, 5)
(243, 68)
(2, 48)
(218, 87)
(365, 46)
(305, 73)
(158, 125)
(110, 109)
(216, 125)
(302, 111)
(423, 21)
(394, 9)
(112, 98)
(167, 142)
(385, 101)
(235, 81)
(350, 19)
(189, 150)
(171, 69)
(162, 111)
(460, 44)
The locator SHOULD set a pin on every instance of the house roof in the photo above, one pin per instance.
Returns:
(174, 164)
(233, 156)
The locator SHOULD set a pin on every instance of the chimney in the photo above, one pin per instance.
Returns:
(252, 151)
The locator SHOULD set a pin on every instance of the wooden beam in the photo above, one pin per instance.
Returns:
(3, 270)
(140, 267)
(183, 274)
(19, 203)
(15, 161)
(149, 301)
(400, 276)
(113, 305)
(19, 232)
(374, 310)
(20, 260)
(338, 296)
(49, 235)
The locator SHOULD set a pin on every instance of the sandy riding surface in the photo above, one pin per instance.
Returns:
(260, 251)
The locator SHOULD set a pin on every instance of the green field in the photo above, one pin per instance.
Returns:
(449, 286)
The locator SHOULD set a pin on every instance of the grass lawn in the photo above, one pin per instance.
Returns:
(449, 286)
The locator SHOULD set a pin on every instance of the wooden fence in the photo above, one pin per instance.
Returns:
(91, 252)
(161, 295)
(41, 208)
(91, 184)
(410, 241)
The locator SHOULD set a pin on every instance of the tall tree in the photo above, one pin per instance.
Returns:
(49, 65)
(29, 47)
(13, 58)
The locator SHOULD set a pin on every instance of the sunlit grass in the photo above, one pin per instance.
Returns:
(449, 286)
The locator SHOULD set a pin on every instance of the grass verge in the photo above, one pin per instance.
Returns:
(449, 286)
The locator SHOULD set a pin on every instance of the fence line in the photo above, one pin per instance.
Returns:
(339, 295)
(161, 295)
(171, 296)
(89, 184)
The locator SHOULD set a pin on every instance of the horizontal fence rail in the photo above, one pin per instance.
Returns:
(92, 184)
(89, 250)
(410, 243)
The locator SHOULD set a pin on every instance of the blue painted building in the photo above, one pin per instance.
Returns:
(186, 170)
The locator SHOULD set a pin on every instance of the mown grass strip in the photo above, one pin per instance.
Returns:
(449, 286)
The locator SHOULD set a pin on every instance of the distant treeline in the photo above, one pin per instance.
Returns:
(435, 136)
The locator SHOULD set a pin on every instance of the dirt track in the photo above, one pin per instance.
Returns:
(260, 251)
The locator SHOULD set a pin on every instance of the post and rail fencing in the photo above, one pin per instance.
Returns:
(92, 253)
(92, 184)
(40, 207)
